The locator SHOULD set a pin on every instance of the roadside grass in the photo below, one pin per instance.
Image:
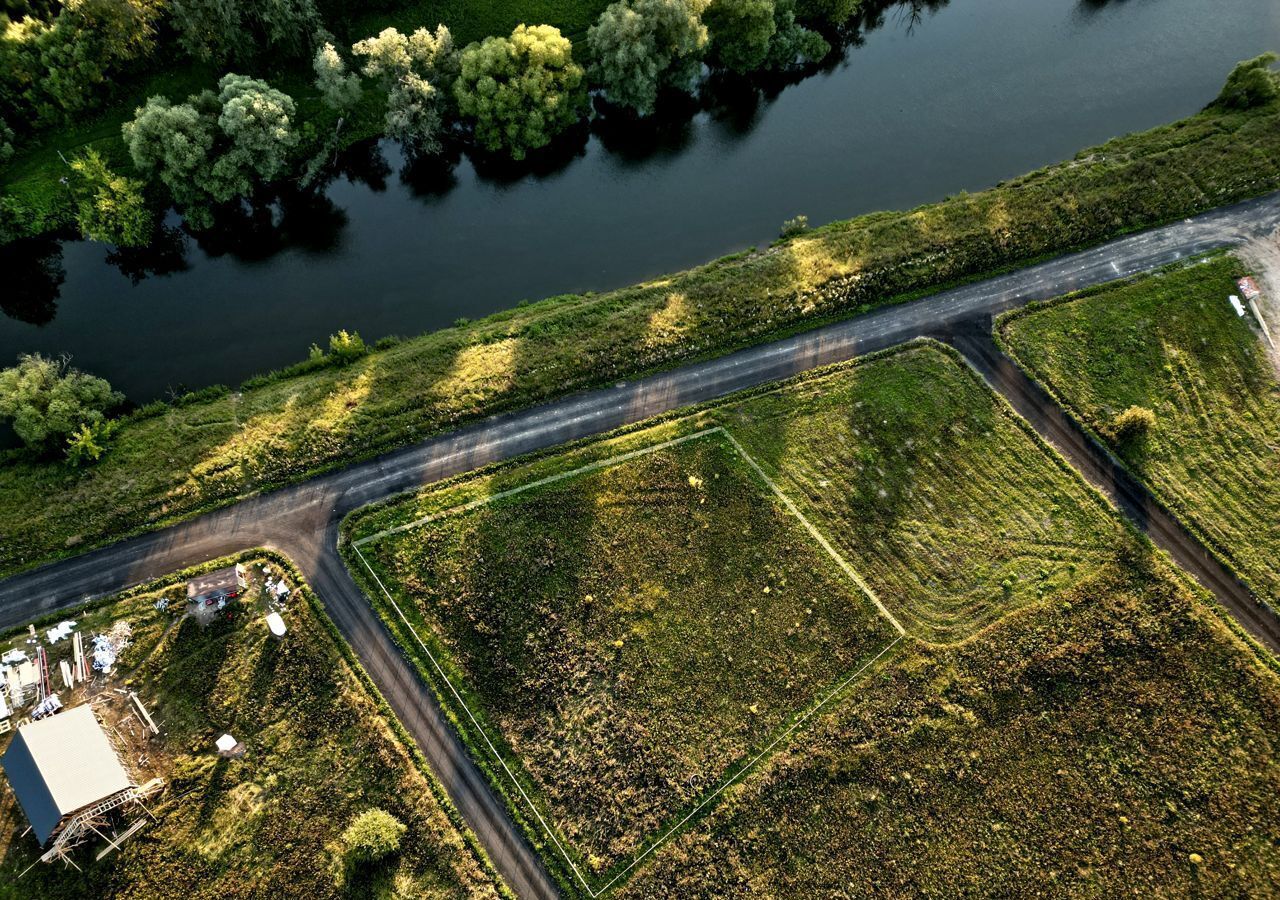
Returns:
(632, 633)
(322, 747)
(190, 458)
(945, 504)
(1171, 343)
(1086, 745)
(932, 488)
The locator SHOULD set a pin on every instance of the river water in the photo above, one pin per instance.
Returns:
(956, 98)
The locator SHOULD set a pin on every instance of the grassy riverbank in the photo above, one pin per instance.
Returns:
(322, 747)
(181, 460)
(1170, 343)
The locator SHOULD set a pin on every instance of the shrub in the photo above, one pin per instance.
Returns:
(1132, 424)
(48, 402)
(87, 443)
(793, 227)
(346, 346)
(372, 836)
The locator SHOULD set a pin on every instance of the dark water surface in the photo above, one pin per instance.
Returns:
(975, 92)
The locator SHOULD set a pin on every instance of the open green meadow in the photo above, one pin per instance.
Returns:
(321, 748)
(178, 460)
(1115, 739)
(620, 628)
(1171, 343)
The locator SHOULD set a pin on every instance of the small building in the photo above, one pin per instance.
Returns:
(220, 584)
(64, 767)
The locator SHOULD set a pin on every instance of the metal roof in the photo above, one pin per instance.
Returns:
(62, 764)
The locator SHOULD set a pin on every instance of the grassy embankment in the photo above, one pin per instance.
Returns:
(941, 499)
(32, 177)
(191, 458)
(1171, 343)
(322, 747)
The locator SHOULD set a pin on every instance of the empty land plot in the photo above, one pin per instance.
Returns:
(1115, 740)
(631, 633)
(1171, 343)
(320, 750)
(929, 486)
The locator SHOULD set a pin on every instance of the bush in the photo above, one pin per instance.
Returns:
(346, 346)
(793, 227)
(1251, 83)
(1132, 424)
(88, 442)
(49, 402)
(372, 836)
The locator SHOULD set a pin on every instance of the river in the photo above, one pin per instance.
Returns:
(957, 98)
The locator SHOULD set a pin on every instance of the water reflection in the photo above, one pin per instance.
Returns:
(33, 275)
(166, 254)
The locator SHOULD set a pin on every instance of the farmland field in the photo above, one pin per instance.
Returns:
(1113, 740)
(1171, 343)
(627, 633)
(320, 750)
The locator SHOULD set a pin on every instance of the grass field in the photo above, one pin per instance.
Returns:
(203, 454)
(1171, 343)
(1085, 746)
(634, 631)
(935, 493)
(321, 749)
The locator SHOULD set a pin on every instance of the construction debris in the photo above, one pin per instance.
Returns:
(146, 716)
(47, 707)
(107, 648)
(229, 747)
(60, 631)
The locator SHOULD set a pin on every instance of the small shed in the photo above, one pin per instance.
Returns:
(61, 766)
(220, 584)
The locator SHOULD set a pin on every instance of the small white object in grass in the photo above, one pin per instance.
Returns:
(1237, 305)
(226, 743)
(276, 624)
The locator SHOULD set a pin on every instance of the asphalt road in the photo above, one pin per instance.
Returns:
(302, 521)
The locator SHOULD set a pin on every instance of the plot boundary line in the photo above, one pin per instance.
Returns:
(747, 766)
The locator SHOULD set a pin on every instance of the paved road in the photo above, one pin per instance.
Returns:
(302, 521)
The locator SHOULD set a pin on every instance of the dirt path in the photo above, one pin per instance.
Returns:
(1262, 256)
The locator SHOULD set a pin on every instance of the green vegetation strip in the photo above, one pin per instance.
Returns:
(905, 468)
(1170, 343)
(176, 461)
(269, 823)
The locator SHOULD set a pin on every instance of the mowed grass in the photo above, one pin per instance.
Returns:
(944, 503)
(1084, 746)
(204, 454)
(1172, 343)
(633, 632)
(930, 486)
(320, 750)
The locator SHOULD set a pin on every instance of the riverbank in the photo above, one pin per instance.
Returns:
(176, 461)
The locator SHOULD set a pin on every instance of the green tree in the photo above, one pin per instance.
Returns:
(6, 142)
(829, 12)
(338, 89)
(390, 56)
(256, 121)
(792, 43)
(413, 115)
(175, 143)
(89, 44)
(109, 206)
(522, 91)
(239, 30)
(47, 401)
(1251, 83)
(372, 836)
(639, 47)
(741, 33)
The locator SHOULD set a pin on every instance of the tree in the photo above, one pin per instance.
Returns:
(109, 206)
(829, 12)
(390, 56)
(792, 43)
(339, 90)
(639, 47)
(413, 115)
(256, 120)
(87, 46)
(521, 91)
(6, 142)
(173, 142)
(372, 836)
(48, 402)
(223, 30)
(1133, 424)
(1251, 83)
(741, 33)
